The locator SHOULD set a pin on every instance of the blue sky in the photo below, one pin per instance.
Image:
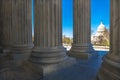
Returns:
(100, 11)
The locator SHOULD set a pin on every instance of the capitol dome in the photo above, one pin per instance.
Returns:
(101, 28)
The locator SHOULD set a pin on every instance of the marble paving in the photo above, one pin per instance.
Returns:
(82, 70)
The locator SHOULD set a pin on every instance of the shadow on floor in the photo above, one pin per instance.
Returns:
(81, 70)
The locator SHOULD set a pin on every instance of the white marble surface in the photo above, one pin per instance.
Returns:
(96, 48)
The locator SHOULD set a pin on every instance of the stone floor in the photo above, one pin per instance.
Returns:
(80, 70)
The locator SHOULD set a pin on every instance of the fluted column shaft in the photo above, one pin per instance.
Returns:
(48, 32)
(0, 38)
(22, 29)
(6, 24)
(48, 23)
(0, 30)
(110, 69)
(0, 41)
(81, 35)
(81, 21)
(114, 28)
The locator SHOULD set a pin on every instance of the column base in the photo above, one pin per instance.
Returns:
(52, 62)
(82, 51)
(110, 69)
(21, 53)
(48, 55)
(26, 71)
(56, 71)
(6, 48)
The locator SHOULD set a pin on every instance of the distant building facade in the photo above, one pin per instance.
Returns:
(101, 37)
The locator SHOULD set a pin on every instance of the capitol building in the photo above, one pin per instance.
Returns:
(101, 37)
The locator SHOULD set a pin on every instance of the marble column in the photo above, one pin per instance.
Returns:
(48, 32)
(6, 24)
(22, 29)
(110, 69)
(81, 47)
(0, 43)
(0, 32)
(0, 40)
